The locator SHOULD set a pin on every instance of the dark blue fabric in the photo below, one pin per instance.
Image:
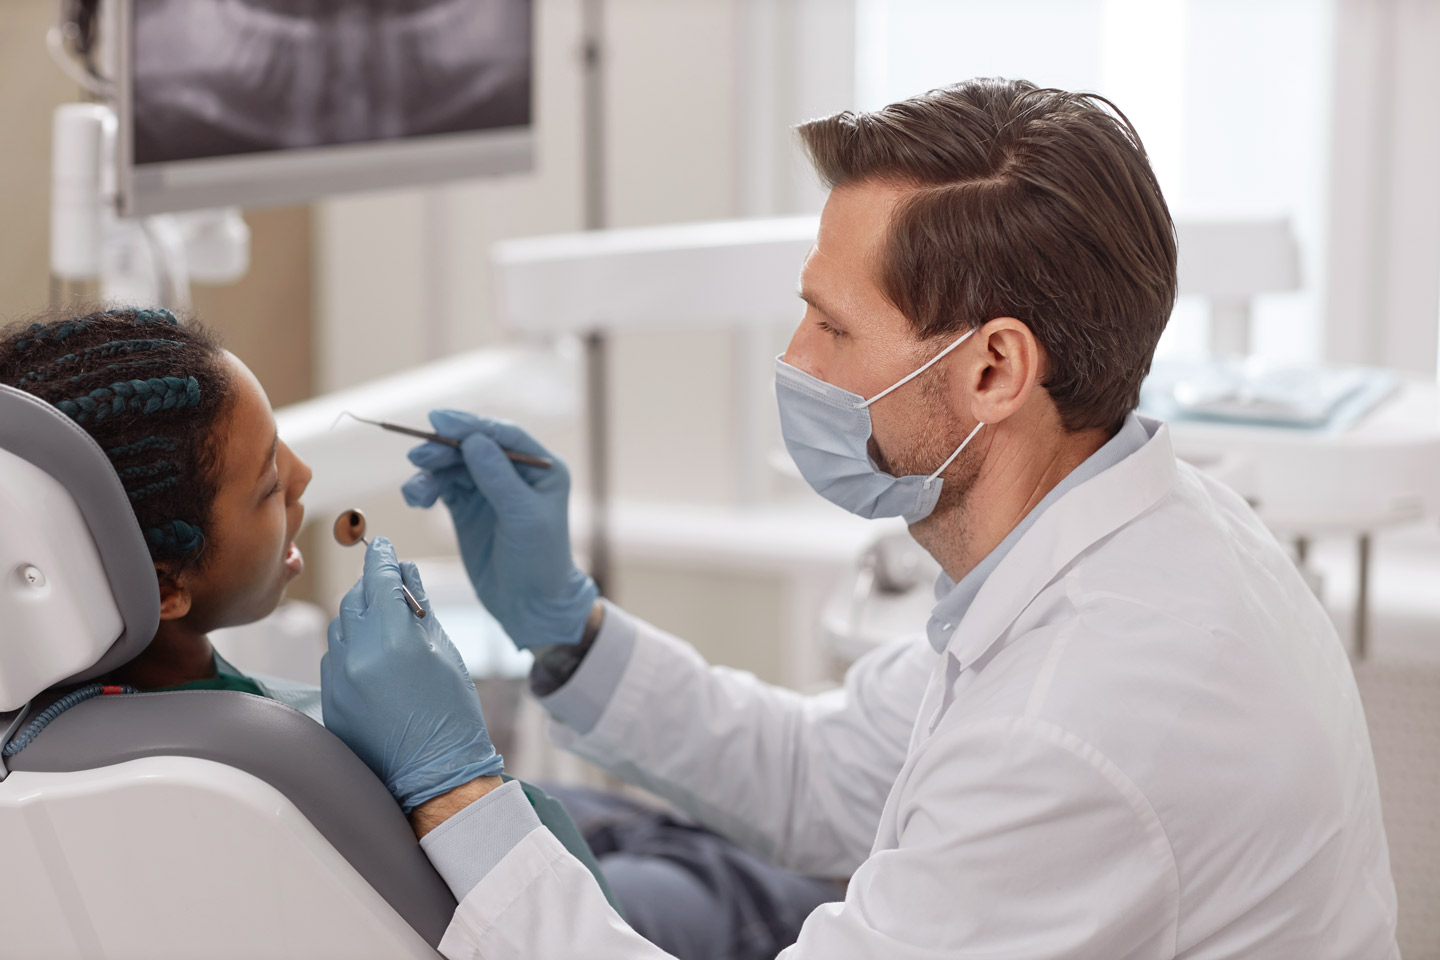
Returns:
(687, 890)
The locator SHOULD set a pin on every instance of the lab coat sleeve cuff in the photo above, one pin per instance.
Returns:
(580, 702)
(466, 847)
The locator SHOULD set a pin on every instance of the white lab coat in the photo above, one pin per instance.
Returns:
(1143, 741)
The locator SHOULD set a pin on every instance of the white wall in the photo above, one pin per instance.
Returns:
(671, 156)
(1231, 97)
(1384, 261)
(1322, 110)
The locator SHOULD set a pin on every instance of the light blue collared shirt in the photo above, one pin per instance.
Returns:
(954, 599)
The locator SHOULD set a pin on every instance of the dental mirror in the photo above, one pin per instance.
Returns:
(349, 530)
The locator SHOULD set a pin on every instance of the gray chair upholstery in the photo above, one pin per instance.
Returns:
(36, 432)
(335, 791)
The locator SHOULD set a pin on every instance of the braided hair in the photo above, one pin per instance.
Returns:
(151, 390)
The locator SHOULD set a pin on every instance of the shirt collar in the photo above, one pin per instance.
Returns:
(223, 666)
(954, 599)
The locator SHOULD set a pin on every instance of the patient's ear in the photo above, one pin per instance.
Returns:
(174, 598)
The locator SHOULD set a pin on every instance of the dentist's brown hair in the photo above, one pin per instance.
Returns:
(1030, 203)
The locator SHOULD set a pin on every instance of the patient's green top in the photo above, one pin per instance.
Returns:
(222, 681)
(547, 808)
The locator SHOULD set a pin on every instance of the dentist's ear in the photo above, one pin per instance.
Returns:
(1000, 371)
(174, 598)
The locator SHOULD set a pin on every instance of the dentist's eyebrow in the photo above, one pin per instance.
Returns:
(811, 299)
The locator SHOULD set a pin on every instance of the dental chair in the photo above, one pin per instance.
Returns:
(186, 824)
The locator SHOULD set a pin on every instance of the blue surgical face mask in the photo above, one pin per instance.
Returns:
(827, 431)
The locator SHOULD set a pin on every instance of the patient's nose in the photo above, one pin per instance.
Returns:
(300, 476)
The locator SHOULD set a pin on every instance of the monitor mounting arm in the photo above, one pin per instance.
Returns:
(97, 254)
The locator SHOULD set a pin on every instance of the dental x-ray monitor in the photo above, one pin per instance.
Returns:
(257, 102)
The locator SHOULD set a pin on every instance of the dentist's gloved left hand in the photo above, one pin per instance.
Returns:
(395, 689)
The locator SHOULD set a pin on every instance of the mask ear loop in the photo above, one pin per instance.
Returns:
(911, 376)
(965, 443)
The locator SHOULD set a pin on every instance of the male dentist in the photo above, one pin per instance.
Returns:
(1129, 730)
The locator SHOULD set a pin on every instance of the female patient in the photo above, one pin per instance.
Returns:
(189, 430)
(191, 435)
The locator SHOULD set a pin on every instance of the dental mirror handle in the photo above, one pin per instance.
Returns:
(349, 529)
(415, 607)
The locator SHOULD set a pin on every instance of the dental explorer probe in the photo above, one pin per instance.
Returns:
(515, 456)
(350, 530)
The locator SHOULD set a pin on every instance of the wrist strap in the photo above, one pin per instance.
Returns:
(556, 664)
(593, 622)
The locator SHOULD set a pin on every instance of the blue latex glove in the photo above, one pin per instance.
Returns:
(395, 689)
(512, 521)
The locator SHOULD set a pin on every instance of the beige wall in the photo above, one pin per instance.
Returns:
(30, 88)
(265, 319)
(271, 306)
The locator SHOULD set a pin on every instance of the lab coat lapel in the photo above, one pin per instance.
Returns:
(1074, 523)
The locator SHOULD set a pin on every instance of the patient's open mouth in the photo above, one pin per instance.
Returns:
(294, 559)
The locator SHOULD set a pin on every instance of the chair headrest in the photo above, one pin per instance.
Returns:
(78, 594)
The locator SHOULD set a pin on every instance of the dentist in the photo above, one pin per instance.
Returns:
(1128, 731)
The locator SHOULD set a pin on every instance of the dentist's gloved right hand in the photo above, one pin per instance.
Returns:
(512, 521)
(395, 690)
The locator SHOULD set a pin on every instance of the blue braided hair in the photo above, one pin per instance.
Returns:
(65, 329)
(139, 471)
(152, 391)
(163, 444)
(175, 539)
(133, 396)
(104, 350)
(146, 316)
(140, 493)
